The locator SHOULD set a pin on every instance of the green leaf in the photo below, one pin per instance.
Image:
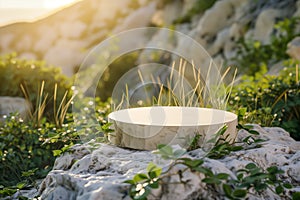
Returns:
(222, 176)
(279, 189)
(21, 185)
(236, 148)
(179, 152)
(192, 163)
(57, 152)
(240, 176)
(29, 172)
(239, 193)
(211, 181)
(251, 166)
(287, 185)
(153, 170)
(260, 186)
(154, 185)
(296, 196)
(131, 182)
(227, 190)
(253, 132)
(139, 177)
(165, 150)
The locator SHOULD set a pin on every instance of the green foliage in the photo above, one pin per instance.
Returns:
(15, 72)
(253, 56)
(270, 100)
(113, 73)
(249, 179)
(21, 150)
(200, 6)
(145, 182)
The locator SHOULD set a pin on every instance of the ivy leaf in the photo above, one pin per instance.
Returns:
(250, 166)
(154, 185)
(222, 176)
(227, 190)
(131, 182)
(296, 196)
(139, 177)
(287, 186)
(179, 152)
(153, 170)
(239, 193)
(21, 185)
(57, 152)
(279, 189)
(253, 132)
(192, 163)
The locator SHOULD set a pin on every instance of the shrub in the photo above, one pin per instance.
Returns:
(270, 100)
(21, 150)
(200, 6)
(253, 56)
(15, 72)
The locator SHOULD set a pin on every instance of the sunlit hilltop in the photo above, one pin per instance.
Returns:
(30, 10)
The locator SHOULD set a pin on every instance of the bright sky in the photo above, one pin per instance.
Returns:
(28, 10)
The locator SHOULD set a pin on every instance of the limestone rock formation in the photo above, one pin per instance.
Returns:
(10, 105)
(84, 173)
(294, 48)
(66, 37)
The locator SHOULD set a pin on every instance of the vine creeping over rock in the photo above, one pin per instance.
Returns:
(250, 180)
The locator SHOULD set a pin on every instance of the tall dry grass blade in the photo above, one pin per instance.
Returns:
(297, 73)
(54, 102)
(160, 95)
(172, 71)
(127, 96)
(24, 91)
(231, 86)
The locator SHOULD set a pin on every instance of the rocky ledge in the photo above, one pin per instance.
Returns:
(97, 171)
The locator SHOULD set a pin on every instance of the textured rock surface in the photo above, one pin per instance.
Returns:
(13, 104)
(294, 48)
(98, 174)
(66, 37)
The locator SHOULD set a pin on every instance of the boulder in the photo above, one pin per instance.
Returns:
(84, 173)
(264, 24)
(10, 105)
(293, 49)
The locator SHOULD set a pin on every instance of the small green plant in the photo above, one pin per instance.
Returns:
(200, 6)
(19, 76)
(270, 100)
(184, 86)
(248, 180)
(255, 57)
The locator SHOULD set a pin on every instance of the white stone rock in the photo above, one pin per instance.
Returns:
(10, 105)
(293, 48)
(103, 171)
(166, 16)
(28, 56)
(5, 40)
(297, 13)
(47, 36)
(24, 43)
(66, 54)
(72, 29)
(264, 24)
(216, 18)
(139, 18)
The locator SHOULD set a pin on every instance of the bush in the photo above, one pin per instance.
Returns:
(270, 100)
(253, 56)
(21, 150)
(25, 148)
(200, 6)
(15, 72)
